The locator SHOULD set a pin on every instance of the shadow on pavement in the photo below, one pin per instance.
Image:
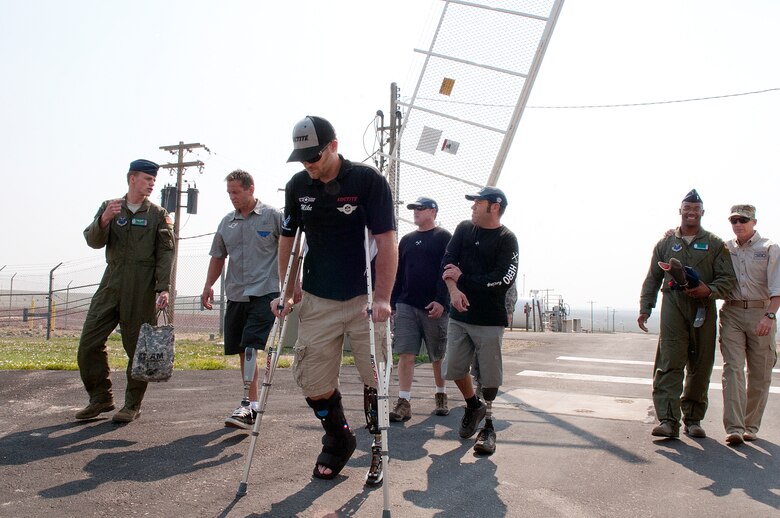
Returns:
(597, 442)
(751, 467)
(62, 439)
(184, 455)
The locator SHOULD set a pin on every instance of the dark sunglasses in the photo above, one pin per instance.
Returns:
(319, 155)
(742, 220)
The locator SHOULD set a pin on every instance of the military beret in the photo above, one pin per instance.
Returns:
(144, 166)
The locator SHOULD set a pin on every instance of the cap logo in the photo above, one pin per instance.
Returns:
(302, 138)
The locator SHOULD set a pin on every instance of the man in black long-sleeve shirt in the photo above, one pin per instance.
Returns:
(480, 265)
(420, 302)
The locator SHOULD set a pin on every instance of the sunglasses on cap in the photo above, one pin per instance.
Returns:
(741, 219)
(319, 155)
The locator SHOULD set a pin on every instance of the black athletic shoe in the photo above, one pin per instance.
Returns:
(242, 417)
(486, 440)
(471, 420)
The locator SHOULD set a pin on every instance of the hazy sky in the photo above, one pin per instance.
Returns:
(88, 86)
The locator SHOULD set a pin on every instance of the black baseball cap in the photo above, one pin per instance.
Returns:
(310, 136)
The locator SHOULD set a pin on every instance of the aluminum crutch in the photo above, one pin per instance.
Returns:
(273, 347)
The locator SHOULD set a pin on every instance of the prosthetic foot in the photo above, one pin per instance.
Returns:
(375, 474)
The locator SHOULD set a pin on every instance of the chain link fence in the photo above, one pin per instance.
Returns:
(54, 299)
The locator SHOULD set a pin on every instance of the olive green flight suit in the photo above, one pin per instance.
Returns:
(139, 257)
(708, 255)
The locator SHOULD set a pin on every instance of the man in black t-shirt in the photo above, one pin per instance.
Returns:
(333, 201)
(419, 303)
(479, 267)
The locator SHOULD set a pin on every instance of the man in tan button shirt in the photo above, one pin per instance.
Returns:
(748, 326)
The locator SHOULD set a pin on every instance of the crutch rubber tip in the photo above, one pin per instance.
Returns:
(241, 489)
(385, 514)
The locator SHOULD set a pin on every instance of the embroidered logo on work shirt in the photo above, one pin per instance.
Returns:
(347, 208)
(676, 247)
(701, 246)
(138, 222)
(122, 221)
(306, 199)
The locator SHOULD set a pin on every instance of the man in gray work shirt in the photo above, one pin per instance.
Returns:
(249, 235)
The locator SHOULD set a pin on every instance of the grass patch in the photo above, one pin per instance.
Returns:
(59, 353)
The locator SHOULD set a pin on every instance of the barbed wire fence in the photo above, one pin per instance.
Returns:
(27, 289)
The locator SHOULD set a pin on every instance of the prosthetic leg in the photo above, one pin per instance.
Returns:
(240, 417)
(379, 425)
(486, 438)
(375, 474)
(273, 346)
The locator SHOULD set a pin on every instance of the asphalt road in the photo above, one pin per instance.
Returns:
(573, 422)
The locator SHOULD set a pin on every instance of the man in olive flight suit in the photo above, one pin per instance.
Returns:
(681, 345)
(138, 236)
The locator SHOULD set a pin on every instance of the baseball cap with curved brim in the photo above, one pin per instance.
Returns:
(310, 136)
(423, 203)
(491, 194)
(743, 211)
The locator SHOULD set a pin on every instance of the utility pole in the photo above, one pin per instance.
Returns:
(392, 173)
(180, 166)
(591, 302)
(51, 296)
(606, 325)
(613, 320)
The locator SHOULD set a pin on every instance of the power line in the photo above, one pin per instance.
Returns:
(624, 105)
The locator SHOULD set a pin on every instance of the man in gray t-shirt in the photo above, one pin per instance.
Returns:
(249, 236)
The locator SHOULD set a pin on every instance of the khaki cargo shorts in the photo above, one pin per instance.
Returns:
(323, 325)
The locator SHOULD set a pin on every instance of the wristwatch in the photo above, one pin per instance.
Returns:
(770, 315)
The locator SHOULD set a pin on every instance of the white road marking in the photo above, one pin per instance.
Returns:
(624, 362)
(583, 405)
(603, 360)
(608, 379)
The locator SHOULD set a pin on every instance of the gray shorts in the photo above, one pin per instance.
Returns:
(412, 326)
(466, 343)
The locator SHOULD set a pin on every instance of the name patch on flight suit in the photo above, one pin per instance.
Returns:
(138, 222)
(701, 246)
